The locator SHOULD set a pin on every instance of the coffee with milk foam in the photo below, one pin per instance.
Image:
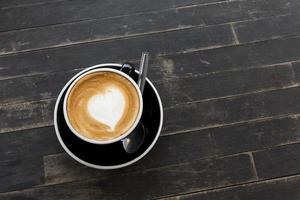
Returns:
(103, 105)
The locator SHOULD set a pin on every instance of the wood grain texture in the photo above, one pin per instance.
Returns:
(228, 72)
(278, 162)
(169, 150)
(193, 2)
(232, 57)
(231, 110)
(88, 54)
(173, 90)
(256, 135)
(192, 146)
(180, 64)
(70, 11)
(21, 173)
(141, 23)
(296, 68)
(232, 11)
(88, 31)
(185, 177)
(182, 90)
(29, 143)
(33, 88)
(184, 142)
(174, 149)
(26, 115)
(271, 28)
(205, 114)
(277, 189)
(65, 11)
(23, 3)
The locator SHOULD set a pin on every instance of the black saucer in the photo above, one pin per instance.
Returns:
(113, 155)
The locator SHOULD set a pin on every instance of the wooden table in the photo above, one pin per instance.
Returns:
(228, 74)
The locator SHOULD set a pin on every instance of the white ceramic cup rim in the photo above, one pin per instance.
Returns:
(114, 139)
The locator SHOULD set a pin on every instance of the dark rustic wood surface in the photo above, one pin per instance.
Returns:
(228, 72)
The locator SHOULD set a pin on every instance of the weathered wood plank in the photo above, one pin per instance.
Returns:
(278, 162)
(204, 113)
(173, 90)
(88, 31)
(265, 29)
(174, 149)
(185, 177)
(278, 189)
(76, 10)
(182, 172)
(231, 110)
(141, 23)
(21, 173)
(26, 115)
(28, 143)
(193, 2)
(232, 11)
(33, 88)
(256, 135)
(181, 64)
(169, 150)
(231, 57)
(181, 90)
(22, 3)
(296, 67)
(88, 54)
(65, 11)
(21, 162)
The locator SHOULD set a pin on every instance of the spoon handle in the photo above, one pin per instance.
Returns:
(143, 71)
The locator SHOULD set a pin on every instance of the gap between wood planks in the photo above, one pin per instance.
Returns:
(29, 4)
(288, 64)
(56, 1)
(171, 54)
(176, 53)
(207, 158)
(50, 123)
(255, 181)
(135, 35)
(234, 96)
(178, 105)
(174, 7)
(172, 166)
(194, 75)
(257, 91)
(149, 12)
(250, 183)
(261, 119)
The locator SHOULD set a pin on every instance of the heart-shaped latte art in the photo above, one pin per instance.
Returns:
(107, 107)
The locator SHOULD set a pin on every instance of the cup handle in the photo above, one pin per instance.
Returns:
(128, 69)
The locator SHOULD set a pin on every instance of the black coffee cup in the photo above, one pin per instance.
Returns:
(113, 155)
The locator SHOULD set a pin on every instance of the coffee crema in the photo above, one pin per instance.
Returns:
(103, 105)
